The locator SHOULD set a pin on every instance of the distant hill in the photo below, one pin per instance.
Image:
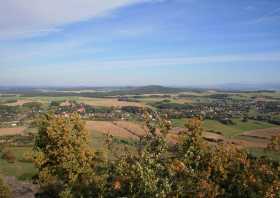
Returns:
(94, 92)
(248, 87)
(153, 89)
(130, 90)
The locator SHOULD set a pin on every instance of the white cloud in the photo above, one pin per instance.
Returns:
(273, 15)
(193, 60)
(24, 18)
(174, 61)
(250, 7)
(27, 33)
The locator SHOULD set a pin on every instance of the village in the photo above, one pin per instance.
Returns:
(221, 108)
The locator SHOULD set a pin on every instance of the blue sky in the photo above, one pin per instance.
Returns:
(139, 42)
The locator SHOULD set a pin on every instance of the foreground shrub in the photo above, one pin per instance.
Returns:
(4, 190)
(274, 144)
(190, 168)
(62, 154)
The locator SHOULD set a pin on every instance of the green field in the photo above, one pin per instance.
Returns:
(19, 169)
(25, 170)
(258, 152)
(229, 130)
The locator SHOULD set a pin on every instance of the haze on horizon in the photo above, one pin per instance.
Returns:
(139, 42)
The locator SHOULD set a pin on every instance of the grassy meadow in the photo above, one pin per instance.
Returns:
(228, 130)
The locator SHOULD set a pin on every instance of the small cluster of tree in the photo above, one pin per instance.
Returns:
(35, 106)
(132, 109)
(225, 120)
(126, 99)
(274, 144)
(10, 101)
(8, 113)
(219, 96)
(271, 107)
(68, 167)
(167, 104)
(267, 118)
(55, 103)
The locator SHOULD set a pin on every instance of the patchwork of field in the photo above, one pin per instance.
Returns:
(120, 129)
(126, 129)
(257, 138)
(229, 131)
(126, 132)
(130, 130)
(109, 102)
(173, 136)
(260, 137)
(12, 131)
(97, 102)
(152, 100)
(248, 143)
(21, 169)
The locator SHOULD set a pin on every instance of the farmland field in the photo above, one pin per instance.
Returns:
(23, 169)
(98, 102)
(130, 130)
(20, 169)
(119, 129)
(108, 102)
(259, 152)
(172, 100)
(12, 131)
(262, 133)
(229, 130)
(19, 102)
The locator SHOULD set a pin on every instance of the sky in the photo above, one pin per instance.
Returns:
(139, 42)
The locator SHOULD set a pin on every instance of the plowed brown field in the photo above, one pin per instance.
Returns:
(11, 131)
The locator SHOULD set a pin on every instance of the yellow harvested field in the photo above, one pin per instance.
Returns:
(109, 102)
(108, 127)
(19, 102)
(133, 128)
(11, 131)
(248, 144)
(263, 133)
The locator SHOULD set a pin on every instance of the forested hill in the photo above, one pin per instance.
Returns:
(95, 92)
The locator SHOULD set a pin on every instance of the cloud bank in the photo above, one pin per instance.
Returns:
(39, 17)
